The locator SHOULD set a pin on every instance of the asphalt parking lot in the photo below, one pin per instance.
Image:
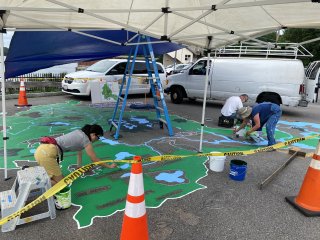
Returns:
(225, 209)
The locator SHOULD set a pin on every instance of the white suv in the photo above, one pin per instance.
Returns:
(78, 83)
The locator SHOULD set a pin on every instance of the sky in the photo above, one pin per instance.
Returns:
(7, 38)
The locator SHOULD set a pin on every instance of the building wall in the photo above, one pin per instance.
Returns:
(181, 56)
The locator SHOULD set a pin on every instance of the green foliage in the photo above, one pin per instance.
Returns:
(300, 35)
(297, 35)
(271, 37)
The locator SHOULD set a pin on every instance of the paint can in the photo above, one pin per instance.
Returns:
(216, 163)
(238, 170)
(241, 133)
(62, 199)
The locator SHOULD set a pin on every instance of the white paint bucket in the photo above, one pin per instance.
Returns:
(216, 163)
(241, 133)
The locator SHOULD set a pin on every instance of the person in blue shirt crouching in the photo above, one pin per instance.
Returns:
(265, 113)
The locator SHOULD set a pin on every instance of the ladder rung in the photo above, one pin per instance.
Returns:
(121, 98)
(33, 218)
(162, 120)
(136, 76)
(159, 108)
(114, 124)
(144, 77)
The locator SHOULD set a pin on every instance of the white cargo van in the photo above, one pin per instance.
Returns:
(313, 81)
(109, 70)
(236, 76)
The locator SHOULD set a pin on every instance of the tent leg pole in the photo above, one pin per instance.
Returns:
(204, 102)
(4, 125)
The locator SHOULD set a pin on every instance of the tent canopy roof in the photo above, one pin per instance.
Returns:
(34, 50)
(203, 23)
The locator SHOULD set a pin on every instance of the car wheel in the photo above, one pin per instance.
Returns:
(176, 95)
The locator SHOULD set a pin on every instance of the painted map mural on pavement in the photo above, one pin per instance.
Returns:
(102, 192)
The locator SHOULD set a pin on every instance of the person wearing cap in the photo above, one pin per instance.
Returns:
(47, 154)
(265, 113)
(232, 105)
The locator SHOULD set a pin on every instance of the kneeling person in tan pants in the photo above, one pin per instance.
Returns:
(46, 154)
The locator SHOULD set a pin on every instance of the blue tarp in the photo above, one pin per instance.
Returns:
(34, 50)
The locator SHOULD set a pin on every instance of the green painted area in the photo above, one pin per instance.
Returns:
(102, 192)
(107, 93)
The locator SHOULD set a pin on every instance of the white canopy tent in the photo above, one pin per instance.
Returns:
(187, 21)
(206, 24)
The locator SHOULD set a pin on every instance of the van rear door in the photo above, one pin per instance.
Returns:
(312, 80)
(195, 81)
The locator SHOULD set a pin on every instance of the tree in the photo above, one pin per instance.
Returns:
(297, 35)
(301, 35)
(271, 37)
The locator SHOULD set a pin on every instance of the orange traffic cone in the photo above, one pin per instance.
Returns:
(135, 226)
(22, 101)
(308, 199)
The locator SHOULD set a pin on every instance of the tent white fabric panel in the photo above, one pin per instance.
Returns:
(187, 21)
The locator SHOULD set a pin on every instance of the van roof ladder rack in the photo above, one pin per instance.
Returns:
(251, 49)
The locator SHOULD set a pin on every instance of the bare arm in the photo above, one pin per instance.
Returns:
(94, 158)
(79, 159)
(243, 124)
(257, 124)
(56, 179)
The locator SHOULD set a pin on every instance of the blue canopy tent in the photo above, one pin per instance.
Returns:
(34, 50)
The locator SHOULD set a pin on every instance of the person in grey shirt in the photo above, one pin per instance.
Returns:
(47, 153)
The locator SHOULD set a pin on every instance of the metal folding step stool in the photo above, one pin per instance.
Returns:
(29, 182)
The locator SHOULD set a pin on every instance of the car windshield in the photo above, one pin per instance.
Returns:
(179, 67)
(101, 66)
(186, 67)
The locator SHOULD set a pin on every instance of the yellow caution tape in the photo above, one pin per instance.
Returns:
(58, 187)
(77, 173)
(233, 153)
